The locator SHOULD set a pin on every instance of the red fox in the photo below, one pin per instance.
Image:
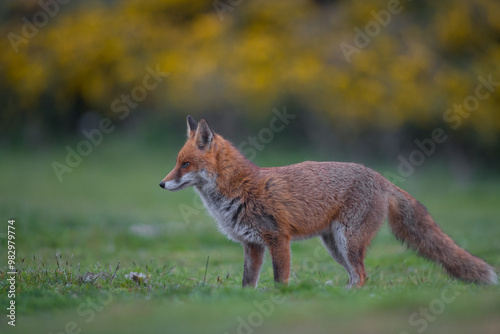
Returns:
(342, 203)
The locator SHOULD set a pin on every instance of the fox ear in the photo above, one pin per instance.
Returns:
(204, 135)
(191, 126)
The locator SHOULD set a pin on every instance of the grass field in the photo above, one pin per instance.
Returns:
(71, 236)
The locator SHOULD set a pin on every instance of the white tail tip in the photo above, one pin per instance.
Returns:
(493, 278)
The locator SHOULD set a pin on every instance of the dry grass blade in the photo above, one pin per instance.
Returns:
(206, 268)
(114, 274)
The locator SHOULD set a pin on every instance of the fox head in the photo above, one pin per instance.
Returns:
(196, 160)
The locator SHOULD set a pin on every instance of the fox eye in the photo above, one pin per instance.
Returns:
(185, 165)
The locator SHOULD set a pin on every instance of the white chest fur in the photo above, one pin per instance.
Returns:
(229, 215)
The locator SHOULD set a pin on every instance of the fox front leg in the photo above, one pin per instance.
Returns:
(254, 255)
(280, 255)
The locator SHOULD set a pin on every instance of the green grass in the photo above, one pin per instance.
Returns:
(70, 236)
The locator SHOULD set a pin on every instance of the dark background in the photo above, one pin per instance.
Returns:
(366, 79)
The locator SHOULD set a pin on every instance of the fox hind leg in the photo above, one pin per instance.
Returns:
(347, 243)
(339, 247)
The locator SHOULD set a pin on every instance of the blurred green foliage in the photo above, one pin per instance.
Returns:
(250, 56)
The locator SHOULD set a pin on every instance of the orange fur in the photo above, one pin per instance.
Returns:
(343, 203)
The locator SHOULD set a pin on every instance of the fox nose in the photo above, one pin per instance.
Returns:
(162, 184)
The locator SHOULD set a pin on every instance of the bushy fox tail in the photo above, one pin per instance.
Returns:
(412, 224)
